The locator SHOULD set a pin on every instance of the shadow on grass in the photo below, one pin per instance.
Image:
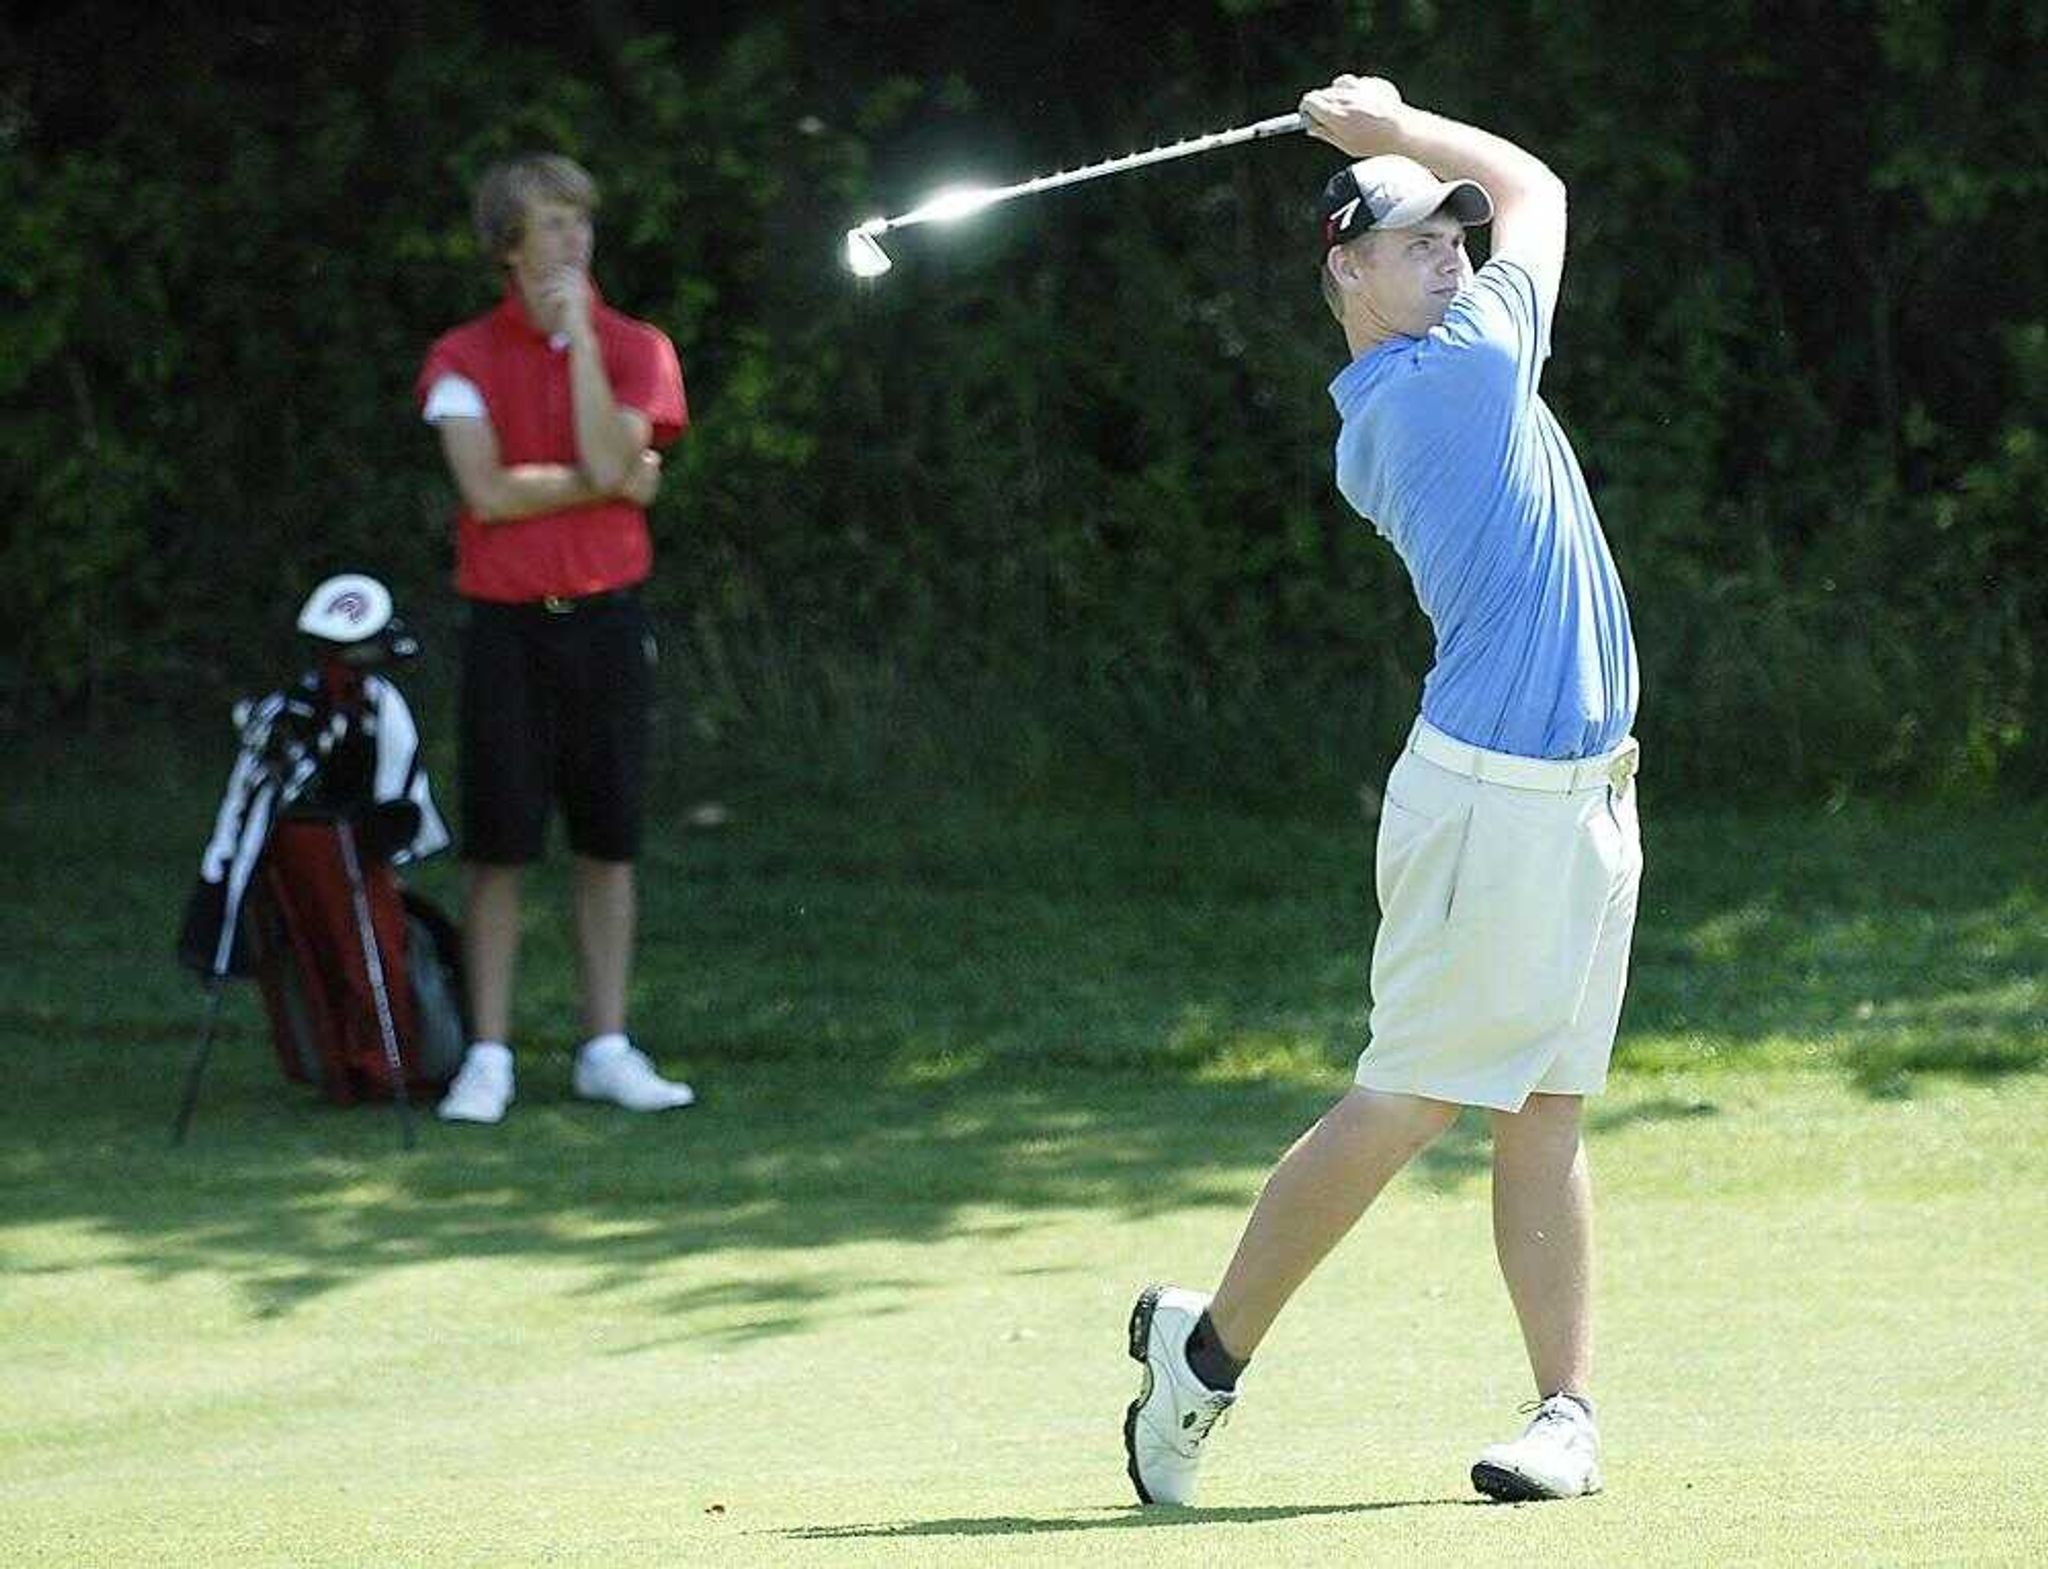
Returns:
(293, 1200)
(1129, 1518)
(904, 1019)
(1890, 943)
(1465, 1151)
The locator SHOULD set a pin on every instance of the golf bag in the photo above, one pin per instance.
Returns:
(299, 888)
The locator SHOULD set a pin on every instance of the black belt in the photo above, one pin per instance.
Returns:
(562, 604)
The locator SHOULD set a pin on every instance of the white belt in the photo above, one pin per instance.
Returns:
(1561, 776)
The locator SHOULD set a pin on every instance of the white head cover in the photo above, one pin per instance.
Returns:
(346, 609)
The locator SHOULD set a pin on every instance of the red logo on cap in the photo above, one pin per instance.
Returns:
(351, 604)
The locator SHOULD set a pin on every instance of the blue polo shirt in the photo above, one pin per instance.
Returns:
(1449, 452)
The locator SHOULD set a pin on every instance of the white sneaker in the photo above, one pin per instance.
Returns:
(612, 1068)
(1175, 1411)
(1557, 1456)
(483, 1089)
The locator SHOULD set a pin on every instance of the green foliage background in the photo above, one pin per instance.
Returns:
(1055, 498)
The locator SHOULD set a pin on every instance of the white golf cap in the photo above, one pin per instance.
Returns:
(1393, 192)
(346, 609)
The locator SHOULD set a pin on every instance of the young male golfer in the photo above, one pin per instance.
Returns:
(1508, 855)
(550, 408)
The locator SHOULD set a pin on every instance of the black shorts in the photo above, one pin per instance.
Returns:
(554, 709)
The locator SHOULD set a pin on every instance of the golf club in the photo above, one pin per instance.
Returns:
(865, 257)
(373, 963)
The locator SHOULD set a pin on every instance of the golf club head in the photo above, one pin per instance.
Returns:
(865, 257)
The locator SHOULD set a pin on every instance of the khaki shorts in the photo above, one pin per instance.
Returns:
(1507, 890)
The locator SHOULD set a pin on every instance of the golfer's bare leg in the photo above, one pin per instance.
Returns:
(606, 906)
(1543, 1232)
(490, 947)
(1314, 1196)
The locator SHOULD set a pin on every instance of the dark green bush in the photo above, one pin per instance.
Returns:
(1069, 465)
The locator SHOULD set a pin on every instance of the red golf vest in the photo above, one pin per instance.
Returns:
(524, 379)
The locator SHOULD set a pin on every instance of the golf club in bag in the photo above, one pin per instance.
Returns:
(360, 976)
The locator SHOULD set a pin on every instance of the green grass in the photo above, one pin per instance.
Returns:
(971, 1076)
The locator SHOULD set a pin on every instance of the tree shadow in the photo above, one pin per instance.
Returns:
(293, 1200)
(1903, 942)
(1603, 1119)
(1464, 1152)
(902, 1023)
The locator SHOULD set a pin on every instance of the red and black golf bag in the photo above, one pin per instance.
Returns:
(299, 887)
(330, 994)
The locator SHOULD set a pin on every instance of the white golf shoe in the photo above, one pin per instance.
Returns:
(482, 1089)
(612, 1068)
(1175, 1412)
(1557, 1456)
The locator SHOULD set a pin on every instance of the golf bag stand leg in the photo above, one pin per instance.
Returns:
(215, 984)
(251, 842)
(373, 964)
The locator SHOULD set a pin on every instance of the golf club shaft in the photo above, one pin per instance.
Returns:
(373, 965)
(1278, 125)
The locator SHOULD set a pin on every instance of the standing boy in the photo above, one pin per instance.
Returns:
(551, 410)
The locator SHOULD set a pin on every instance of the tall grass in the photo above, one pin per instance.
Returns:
(909, 924)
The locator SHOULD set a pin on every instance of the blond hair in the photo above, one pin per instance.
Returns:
(509, 185)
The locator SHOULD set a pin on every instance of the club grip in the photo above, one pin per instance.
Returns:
(1280, 125)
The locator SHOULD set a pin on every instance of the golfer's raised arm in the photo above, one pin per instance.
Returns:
(1362, 116)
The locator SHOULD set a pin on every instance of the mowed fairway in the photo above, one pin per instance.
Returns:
(867, 1302)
